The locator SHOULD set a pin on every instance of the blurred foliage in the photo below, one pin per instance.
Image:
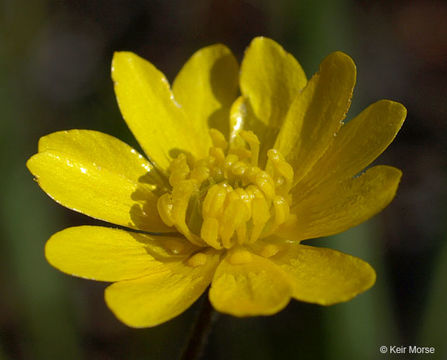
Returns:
(54, 75)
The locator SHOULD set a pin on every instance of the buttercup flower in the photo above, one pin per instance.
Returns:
(242, 165)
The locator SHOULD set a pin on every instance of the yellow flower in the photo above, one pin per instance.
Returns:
(233, 185)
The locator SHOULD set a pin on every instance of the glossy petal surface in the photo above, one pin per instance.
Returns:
(357, 144)
(270, 80)
(317, 113)
(206, 87)
(147, 104)
(324, 276)
(160, 296)
(100, 176)
(106, 254)
(255, 287)
(340, 206)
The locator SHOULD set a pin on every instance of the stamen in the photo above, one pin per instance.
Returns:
(281, 167)
(266, 184)
(210, 232)
(253, 142)
(229, 161)
(200, 173)
(217, 155)
(181, 194)
(281, 210)
(179, 169)
(225, 199)
(231, 219)
(218, 139)
(239, 168)
(245, 197)
(241, 232)
(214, 201)
(241, 152)
(164, 207)
(261, 214)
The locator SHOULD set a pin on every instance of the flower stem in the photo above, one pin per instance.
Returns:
(200, 331)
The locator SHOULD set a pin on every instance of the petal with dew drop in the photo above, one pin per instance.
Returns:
(148, 106)
(159, 297)
(357, 144)
(206, 87)
(270, 80)
(324, 276)
(105, 254)
(100, 176)
(317, 114)
(339, 206)
(246, 284)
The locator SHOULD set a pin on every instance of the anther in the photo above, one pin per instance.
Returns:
(232, 218)
(253, 142)
(179, 169)
(218, 155)
(239, 168)
(164, 207)
(266, 184)
(218, 139)
(281, 166)
(210, 232)
(200, 173)
(214, 201)
(225, 199)
(281, 210)
(260, 215)
(181, 195)
(230, 160)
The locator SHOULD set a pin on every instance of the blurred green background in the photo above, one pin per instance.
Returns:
(55, 74)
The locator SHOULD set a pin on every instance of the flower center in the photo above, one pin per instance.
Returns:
(226, 199)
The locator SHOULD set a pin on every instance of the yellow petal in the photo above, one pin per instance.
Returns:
(270, 80)
(248, 285)
(316, 115)
(336, 207)
(324, 276)
(100, 176)
(357, 144)
(206, 87)
(148, 106)
(106, 254)
(160, 296)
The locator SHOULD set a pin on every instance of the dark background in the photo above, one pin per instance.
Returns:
(55, 74)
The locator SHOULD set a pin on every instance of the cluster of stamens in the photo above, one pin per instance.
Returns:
(225, 199)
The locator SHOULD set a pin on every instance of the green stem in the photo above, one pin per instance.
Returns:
(200, 332)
